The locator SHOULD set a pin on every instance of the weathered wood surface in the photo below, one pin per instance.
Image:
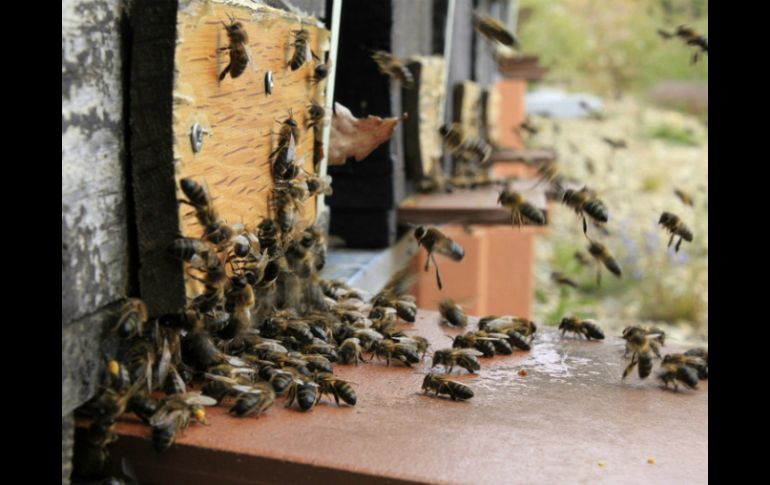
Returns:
(467, 108)
(182, 50)
(422, 143)
(94, 228)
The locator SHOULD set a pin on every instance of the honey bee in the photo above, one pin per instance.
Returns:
(316, 114)
(173, 415)
(684, 197)
(602, 256)
(699, 352)
(442, 385)
(336, 387)
(527, 126)
(133, 318)
(615, 143)
(697, 363)
(658, 336)
(520, 209)
(301, 48)
(461, 357)
(193, 251)
(239, 55)
(143, 405)
(587, 328)
(562, 279)
(321, 71)
(585, 201)
(319, 185)
(392, 66)
(491, 29)
(434, 241)
(676, 227)
(674, 373)
(692, 38)
(252, 399)
(199, 198)
(519, 331)
(453, 313)
(452, 135)
(487, 343)
(643, 349)
(394, 350)
(305, 392)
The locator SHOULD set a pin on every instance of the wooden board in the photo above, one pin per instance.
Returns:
(175, 69)
(422, 141)
(570, 419)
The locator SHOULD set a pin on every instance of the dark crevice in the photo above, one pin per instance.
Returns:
(132, 238)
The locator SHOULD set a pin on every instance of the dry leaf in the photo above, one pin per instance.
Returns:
(357, 137)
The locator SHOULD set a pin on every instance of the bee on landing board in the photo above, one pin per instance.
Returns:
(239, 56)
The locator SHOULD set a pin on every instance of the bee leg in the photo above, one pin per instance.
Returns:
(585, 226)
(630, 366)
(518, 216)
(678, 244)
(223, 74)
(670, 241)
(427, 261)
(438, 273)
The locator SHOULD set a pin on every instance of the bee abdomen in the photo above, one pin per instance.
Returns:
(613, 266)
(687, 375)
(502, 347)
(532, 213)
(456, 252)
(345, 392)
(596, 209)
(196, 193)
(307, 395)
(163, 437)
(518, 340)
(458, 391)
(469, 363)
(485, 347)
(593, 331)
(645, 365)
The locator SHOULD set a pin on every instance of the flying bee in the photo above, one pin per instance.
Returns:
(316, 114)
(475, 150)
(587, 328)
(301, 48)
(465, 358)
(665, 35)
(674, 373)
(452, 313)
(452, 136)
(520, 209)
(442, 385)
(643, 348)
(494, 31)
(684, 197)
(615, 143)
(658, 337)
(174, 414)
(393, 67)
(527, 126)
(336, 387)
(434, 241)
(239, 55)
(585, 201)
(696, 363)
(676, 227)
(602, 256)
(133, 318)
(692, 38)
(562, 279)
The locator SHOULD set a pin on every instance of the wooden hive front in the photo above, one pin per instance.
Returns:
(240, 122)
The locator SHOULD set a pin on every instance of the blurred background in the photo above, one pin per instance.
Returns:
(655, 98)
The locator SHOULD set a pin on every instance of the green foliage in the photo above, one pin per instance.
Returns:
(673, 134)
(613, 47)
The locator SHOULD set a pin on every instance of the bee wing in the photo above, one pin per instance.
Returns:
(198, 398)
(165, 362)
(236, 361)
(450, 248)
(247, 50)
(469, 351)
(217, 377)
(179, 382)
(165, 416)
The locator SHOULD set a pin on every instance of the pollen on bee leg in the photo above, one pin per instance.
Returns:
(113, 367)
(200, 415)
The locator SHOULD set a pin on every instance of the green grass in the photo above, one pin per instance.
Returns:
(673, 134)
